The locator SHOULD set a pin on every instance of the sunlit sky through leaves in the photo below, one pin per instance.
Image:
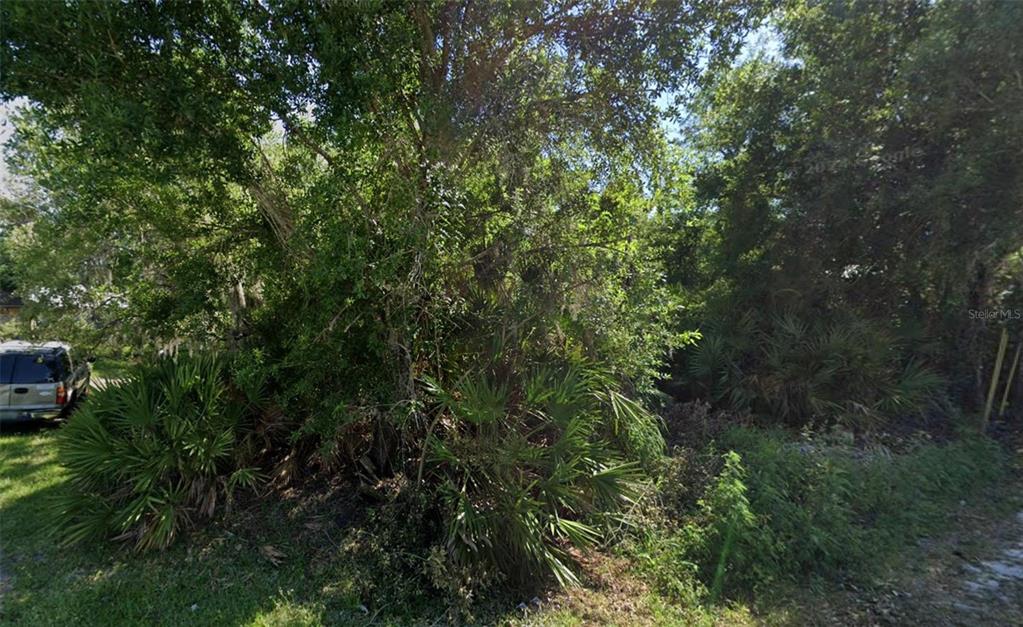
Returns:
(764, 40)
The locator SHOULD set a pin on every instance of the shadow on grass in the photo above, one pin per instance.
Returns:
(23, 427)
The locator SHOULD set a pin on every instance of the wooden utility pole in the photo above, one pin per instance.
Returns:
(994, 379)
(1009, 381)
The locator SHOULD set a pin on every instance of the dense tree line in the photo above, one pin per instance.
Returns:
(859, 198)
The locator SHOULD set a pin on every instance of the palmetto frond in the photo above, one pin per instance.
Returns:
(521, 479)
(147, 456)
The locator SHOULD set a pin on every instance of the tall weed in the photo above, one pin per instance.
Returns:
(780, 510)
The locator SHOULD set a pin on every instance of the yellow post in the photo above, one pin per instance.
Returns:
(994, 378)
(1009, 380)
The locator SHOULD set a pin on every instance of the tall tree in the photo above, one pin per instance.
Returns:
(869, 169)
(379, 203)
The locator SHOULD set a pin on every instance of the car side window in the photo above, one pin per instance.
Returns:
(6, 368)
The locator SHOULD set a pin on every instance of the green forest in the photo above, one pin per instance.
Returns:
(515, 311)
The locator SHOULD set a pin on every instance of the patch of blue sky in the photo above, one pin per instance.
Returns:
(764, 42)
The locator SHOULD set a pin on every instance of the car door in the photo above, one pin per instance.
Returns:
(34, 380)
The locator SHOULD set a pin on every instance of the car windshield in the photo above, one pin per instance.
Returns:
(29, 369)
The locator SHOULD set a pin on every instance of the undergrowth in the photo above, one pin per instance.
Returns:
(776, 510)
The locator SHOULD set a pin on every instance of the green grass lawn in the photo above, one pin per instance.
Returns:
(110, 368)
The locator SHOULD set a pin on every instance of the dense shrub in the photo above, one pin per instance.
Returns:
(147, 457)
(526, 468)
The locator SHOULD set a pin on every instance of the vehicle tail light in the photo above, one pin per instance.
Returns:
(61, 394)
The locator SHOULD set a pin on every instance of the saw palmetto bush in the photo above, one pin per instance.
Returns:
(152, 455)
(530, 467)
(852, 372)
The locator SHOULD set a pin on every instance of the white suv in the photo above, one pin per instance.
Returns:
(39, 380)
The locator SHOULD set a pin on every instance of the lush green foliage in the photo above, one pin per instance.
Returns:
(332, 564)
(147, 457)
(859, 180)
(367, 202)
(519, 467)
(449, 248)
(849, 371)
(781, 510)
